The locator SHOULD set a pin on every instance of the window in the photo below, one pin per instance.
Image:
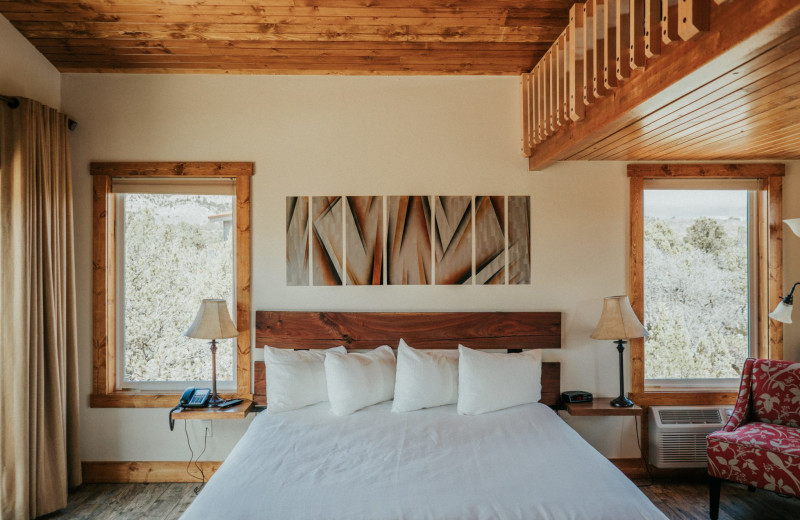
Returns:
(166, 236)
(705, 267)
(180, 242)
(699, 284)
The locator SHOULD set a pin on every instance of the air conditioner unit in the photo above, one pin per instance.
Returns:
(678, 434)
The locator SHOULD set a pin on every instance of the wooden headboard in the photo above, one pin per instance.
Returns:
(424, 330)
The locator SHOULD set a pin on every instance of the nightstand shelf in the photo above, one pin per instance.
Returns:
(239, 411)
(601, 406)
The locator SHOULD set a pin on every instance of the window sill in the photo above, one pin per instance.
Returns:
(140, 399)
(688, 396)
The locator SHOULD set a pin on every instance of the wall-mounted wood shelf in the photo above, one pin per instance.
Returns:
(239, 411)
(601, 406)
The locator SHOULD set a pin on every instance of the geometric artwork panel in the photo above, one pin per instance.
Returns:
(364, 236)
(408, 241)
(519, 240)
(327, 243)
(490, 241)
(453, 237)
(296, 241)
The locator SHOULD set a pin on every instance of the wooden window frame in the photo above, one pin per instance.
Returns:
(105, 393)
(770, 268)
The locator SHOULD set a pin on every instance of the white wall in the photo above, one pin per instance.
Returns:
(363, 136)
(24, 71)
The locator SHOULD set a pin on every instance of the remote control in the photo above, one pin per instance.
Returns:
(232, 402)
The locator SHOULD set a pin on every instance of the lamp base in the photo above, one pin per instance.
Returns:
(621, 402)
(215, 401)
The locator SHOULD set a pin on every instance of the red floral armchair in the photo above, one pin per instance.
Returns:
(760, 444)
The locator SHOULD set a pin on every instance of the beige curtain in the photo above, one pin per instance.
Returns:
(39, 446)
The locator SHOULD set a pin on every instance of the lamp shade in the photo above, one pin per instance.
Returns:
(782, 313)
(213, 322)
(618, 320)
(794, 225)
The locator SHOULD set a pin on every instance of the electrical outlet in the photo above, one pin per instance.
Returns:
(207, 425)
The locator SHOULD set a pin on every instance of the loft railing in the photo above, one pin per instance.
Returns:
(605, 42)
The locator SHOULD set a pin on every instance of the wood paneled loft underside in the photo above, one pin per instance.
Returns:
(291, 36)
(663, 80)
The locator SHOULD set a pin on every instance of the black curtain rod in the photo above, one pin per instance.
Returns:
(13, 102)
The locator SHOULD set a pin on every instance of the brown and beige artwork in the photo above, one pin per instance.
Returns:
(408, 242)
(490, 240)
(453, 238)
(327, 243)
(364, 237)
(519, 240)
(296, 241)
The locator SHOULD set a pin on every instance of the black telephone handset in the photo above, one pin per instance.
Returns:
(195, 397)
(191, 398)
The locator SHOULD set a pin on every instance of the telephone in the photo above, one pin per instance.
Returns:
(195, 397)
(191, 398)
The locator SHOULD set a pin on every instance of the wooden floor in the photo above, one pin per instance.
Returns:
(679, 500)
(688, 500)
(127, 502)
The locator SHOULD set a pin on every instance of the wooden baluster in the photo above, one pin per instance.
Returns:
(552, 88)
(599, 33)
(537, 103)
(546, 93)
(652, 28)
(637, 58)
(610, 55)
(558, 114)
(669, 21)
(532, 104)
(576, 108)
(623, 39)
(588, 54)
(693, 18)
(543, 105)
(563, 80)
(526, 114)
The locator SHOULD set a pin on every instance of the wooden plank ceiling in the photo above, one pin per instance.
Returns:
(729, 90)
(291, 36)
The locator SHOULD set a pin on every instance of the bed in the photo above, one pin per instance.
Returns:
(521, 462)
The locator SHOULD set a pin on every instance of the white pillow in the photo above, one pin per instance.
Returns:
(358, 380)
(489, 382)
(425, 378)
(295, 378)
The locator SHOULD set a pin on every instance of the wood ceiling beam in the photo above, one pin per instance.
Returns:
(739, 32)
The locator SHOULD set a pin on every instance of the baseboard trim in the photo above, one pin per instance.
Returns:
(635, 469)
(101, 472)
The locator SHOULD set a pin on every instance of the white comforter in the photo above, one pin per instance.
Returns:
(521, 463)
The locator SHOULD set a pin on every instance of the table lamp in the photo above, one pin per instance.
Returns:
(794, 225)
(213, 322)
(619, 323)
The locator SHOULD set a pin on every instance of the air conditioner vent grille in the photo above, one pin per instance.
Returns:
(683, 447)
(690, 416)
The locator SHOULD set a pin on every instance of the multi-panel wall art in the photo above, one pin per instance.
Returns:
(408, 240)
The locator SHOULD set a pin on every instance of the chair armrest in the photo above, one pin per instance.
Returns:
(742, 408)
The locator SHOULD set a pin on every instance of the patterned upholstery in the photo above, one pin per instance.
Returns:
(760, 444)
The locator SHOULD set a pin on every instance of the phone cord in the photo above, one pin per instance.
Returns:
(171, 420)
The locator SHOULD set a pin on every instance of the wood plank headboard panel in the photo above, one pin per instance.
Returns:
(427, 330)
(424, 330)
